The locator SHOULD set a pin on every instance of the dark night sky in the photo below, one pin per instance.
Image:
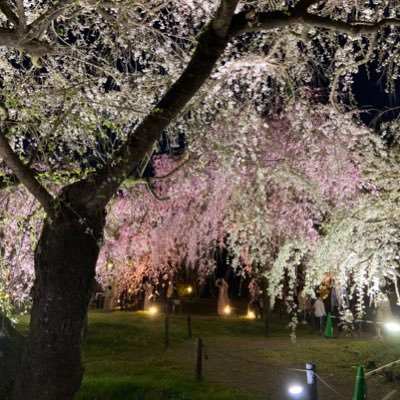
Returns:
(369, 90)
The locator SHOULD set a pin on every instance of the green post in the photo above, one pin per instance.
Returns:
(360, 389)
(328, 330)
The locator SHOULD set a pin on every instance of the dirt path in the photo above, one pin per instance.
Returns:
(264, 368)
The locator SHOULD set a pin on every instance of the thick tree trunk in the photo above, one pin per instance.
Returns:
(11, 347)
(65, 261)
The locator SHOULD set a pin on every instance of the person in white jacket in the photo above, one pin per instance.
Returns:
(320, 313)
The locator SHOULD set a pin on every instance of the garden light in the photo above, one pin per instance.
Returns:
(153, 310)
(227, 310)
(189, 289)
(250, 315)
(110, 265)
(295, 389)
(393, 327)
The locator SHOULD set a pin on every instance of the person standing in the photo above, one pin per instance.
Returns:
(109, 299)
(223, 298)
(148, 296)
(170, 297)
(320, 313)
(383, 313)
(255, 304)
(304, 308)
(123, 299)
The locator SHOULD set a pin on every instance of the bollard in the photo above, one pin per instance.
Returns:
(328, 330)
(189, 326)
(312, 318)
(311, 382)
(199, 358)
(360, 389)
(166, 331)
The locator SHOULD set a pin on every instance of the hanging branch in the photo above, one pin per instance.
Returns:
(246, 21)
(211, 44)
(344, 68)
(25, 175)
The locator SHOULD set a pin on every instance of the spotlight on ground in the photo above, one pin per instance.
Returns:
(295, 390)
(392, 327)
(250, 315)
(227, 310)
(153, 310)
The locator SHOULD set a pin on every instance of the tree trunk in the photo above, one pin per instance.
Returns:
(11, 347)
(267, 315)
(65, 260)
(266, 304)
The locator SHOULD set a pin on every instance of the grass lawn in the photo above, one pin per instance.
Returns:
(125, 358)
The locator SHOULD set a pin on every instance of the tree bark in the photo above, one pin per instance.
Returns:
(65, 261)
(11, 347)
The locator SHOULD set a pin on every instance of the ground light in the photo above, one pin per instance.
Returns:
(110, 265)
(250, 315)
(153, 310)
(227, 310)
(295, 390)
(189, 289)
(392, 327)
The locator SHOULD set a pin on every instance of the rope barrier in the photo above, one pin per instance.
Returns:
(361, 320)
(290, 369)
(304, 370)
(328, 386)
(389, 395)
(384, 366)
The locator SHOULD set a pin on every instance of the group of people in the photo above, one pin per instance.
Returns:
(330, 296)
(333, 299)
(104, 299)
(224, 307)
(143, 298)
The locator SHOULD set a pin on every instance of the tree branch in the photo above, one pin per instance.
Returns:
(166, 176)
(247, 22)
(353, 28)
(223, 17)
(341, 70)
(253, 22)
(9, 13)
(40, 24)
(211, 44)
(153, 193)
(21, 16)
(25, 175)
(304, 5)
